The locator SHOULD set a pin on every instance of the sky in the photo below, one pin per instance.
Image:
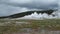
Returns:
(8, 7)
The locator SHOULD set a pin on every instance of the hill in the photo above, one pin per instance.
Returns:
(49, 12)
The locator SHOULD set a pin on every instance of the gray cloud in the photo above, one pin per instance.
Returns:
(39, 4)
(8, 7)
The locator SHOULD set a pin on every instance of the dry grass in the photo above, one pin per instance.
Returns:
(12, 26)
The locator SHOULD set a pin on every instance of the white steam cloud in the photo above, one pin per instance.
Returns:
(38, 16)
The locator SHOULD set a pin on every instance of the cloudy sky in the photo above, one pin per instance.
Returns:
(8, 7)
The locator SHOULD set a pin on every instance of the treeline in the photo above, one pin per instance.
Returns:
(49, 12)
